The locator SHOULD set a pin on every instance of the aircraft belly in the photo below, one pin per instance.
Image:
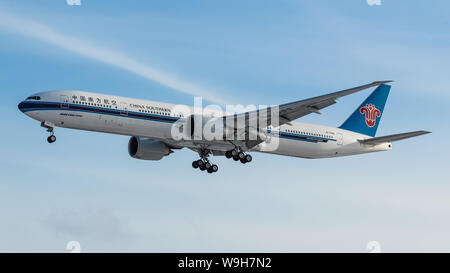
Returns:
(303, 149)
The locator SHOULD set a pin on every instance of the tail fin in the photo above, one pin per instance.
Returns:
(367, 116)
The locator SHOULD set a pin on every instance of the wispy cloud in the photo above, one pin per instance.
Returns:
(45, 33)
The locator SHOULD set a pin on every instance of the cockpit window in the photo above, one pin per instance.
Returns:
(34, 98)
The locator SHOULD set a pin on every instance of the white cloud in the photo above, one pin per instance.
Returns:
(44, 33)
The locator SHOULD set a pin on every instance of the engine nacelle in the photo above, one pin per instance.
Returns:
(147, 148)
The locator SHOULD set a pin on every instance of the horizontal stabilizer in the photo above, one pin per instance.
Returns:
(391, 138)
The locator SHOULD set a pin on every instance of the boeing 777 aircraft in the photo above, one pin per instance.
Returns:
(153, 126)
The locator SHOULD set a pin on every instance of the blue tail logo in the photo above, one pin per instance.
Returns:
(367, 116)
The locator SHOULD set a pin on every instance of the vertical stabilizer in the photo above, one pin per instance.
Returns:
(367, 116)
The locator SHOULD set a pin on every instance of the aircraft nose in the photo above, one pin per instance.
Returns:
(21, 106)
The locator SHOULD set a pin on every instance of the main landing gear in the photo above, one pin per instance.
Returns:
(204, 164)
(49, 126)
(239, 155)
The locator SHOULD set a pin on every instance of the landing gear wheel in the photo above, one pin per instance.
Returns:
(200, 163)
(243, 161)
(235, 158)
(204, 164)
(228, 154)
(213, 169)
(248, 158)
(241, 155)
(51, 139)
(207, 165)
(234, 153)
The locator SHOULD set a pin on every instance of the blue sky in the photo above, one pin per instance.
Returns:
(86, 188)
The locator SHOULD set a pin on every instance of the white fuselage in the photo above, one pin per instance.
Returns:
(133, 117)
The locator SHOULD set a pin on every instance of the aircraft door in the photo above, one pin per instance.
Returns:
(123, 107)
(340, 138)
(64, 101)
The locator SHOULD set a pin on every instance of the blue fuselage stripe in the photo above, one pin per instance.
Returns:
(32, 106)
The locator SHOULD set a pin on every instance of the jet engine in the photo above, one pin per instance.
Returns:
(147, 148)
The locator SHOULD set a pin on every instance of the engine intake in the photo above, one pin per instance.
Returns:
(147, 148)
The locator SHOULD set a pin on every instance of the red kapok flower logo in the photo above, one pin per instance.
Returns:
(371, 113)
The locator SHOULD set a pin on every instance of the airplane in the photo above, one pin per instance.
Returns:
(151, 125)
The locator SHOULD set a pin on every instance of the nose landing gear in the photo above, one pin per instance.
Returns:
(49, 126)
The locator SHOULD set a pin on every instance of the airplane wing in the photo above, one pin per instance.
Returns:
(391, 138)
(289, 111)
(294, 110)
